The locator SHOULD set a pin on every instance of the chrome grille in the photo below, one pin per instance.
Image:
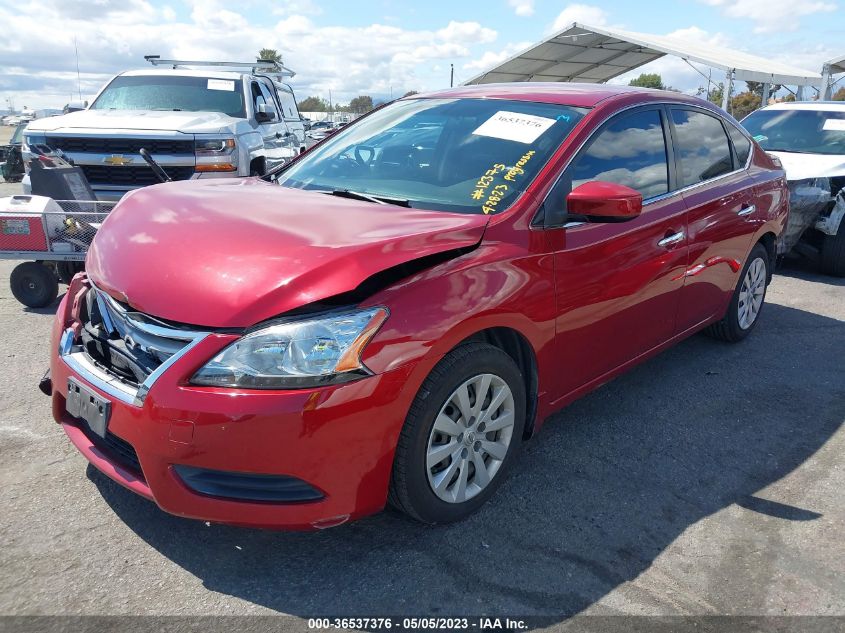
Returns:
(122, 351)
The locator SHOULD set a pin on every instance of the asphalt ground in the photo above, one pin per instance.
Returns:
(707, 481)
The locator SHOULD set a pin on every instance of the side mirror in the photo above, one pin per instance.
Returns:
(265, 113)
(602, 199)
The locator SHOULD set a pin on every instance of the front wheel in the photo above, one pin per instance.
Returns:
(747, 301)
(460, 436)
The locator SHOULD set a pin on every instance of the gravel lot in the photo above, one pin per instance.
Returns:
(707, 481)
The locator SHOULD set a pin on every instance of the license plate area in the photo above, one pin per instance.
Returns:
(84, 404)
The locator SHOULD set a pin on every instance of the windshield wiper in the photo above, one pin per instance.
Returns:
(357, 195)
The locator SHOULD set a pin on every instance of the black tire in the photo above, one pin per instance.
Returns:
(410, 491)
(729, 328)
(832, 260)
(34, 285)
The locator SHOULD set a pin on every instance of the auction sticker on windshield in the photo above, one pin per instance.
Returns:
(221, 84)
(834, 125)
(513, 126)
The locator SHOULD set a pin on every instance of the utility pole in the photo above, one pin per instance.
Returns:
(78, 84)
(452, 76)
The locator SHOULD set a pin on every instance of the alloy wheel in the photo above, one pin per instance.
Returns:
(751, 294)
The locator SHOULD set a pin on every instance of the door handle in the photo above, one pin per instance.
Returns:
(747, 209)
(672, 238)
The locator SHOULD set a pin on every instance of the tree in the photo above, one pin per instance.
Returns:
(744, 104)
(757, 88)
(411, 93)
(648, 80)
(270, 53)
(839, 95)
(361, 104)
(313, 104)
(715, 94)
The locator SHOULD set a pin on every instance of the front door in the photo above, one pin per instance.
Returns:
(273, 132)
(618, 284)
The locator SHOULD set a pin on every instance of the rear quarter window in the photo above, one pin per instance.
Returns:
(742, 146)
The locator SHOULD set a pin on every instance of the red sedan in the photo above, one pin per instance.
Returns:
(391, 315)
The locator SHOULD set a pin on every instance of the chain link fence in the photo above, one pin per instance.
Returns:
(61, 232)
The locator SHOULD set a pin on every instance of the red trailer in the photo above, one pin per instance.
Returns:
(52, 237)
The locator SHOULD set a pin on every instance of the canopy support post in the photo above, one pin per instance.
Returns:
(826, 89)
(799, 93)
(766, 90)
(726, 91)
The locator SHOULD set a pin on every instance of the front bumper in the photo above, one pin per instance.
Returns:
(340, 440)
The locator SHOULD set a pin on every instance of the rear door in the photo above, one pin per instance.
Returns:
(617, 285)
(720, 199)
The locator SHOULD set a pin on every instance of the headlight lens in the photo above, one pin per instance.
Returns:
(214, 146)
(216, 154)
(297, 354)
(32, 139)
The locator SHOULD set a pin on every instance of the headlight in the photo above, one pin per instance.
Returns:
(32, 139)
(216, 154)
(297, 354)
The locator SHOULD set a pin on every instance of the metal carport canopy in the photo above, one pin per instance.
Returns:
(836, 65)
(595, 54)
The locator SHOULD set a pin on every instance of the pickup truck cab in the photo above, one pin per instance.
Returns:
(196, 123)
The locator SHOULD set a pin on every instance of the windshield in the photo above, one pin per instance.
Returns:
(17, 136)
(464, 155)
(800, 131)
(173, 92)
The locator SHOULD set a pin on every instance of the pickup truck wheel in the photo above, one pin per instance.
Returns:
(833, 252)
(461, 435)
(747, 301)
(34, 285)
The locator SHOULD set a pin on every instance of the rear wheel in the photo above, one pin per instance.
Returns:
(460, 436)
(747, 301)
(833, 252)
(34, 285)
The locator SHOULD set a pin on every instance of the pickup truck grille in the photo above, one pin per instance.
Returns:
(120, 145)
(139, 176)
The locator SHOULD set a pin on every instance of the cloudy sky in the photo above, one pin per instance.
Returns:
(376, 47)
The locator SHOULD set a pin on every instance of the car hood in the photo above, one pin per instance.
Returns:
(803, 166)
(127, 120)
(232, 253)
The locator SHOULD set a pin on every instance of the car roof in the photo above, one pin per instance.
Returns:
(561, 93)
(181, 72)
(818, 106)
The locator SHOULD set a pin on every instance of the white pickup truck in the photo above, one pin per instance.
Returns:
(195, 122)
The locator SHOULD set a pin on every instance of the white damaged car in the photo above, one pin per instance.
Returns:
(809, 140)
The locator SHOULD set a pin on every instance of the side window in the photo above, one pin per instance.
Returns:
(630, 151)
(742, 146)
(267, 96)
(257, 98)
(701, 145)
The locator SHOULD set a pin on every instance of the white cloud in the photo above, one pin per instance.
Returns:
(375, 59)
(586, 13)
(772, 15)
(491, 58)
(524, 8)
